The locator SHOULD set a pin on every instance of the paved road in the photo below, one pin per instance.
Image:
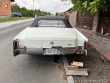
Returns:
(25, 68)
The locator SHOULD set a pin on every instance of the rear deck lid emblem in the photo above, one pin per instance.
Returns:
(51, 42)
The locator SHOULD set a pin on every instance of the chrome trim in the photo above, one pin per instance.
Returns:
(42, 51)
(34, 50)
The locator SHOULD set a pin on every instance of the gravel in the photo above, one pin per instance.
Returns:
(99, 69)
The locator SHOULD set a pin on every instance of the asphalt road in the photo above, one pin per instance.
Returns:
(25, 68)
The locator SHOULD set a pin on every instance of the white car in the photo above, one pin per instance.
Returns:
(49, 35)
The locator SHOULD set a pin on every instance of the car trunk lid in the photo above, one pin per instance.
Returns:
(46, 37)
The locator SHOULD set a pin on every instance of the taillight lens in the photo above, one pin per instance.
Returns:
(85, 45)
(16, 48)
(15, 45)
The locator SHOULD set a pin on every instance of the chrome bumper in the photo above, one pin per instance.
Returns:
(34, 50)
(61, 51)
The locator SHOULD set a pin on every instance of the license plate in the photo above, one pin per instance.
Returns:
(51, 51)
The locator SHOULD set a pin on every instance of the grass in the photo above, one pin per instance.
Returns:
(14, 19)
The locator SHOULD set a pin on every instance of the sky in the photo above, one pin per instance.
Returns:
(52, 6)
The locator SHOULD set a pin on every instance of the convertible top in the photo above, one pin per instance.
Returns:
(35, 22)
(52, 17)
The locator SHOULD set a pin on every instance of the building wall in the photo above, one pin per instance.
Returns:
(5, 8)
(72, 18)
(85, 20)
(105, 22)
(100, 42)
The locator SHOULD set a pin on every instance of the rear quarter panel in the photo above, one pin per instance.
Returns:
(80, 38)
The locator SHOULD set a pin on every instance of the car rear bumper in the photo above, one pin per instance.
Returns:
(61, 51)
(34, 51)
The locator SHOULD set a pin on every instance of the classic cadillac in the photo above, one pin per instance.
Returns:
(50, 35)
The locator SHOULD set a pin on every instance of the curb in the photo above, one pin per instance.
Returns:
(66, 64)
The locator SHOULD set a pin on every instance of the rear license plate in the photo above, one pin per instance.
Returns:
(51, 51)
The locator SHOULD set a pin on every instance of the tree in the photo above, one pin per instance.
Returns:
(40, 13)
(91, 6)
(15, 8)
(25, 12)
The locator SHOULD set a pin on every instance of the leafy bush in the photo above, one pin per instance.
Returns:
(91, 6)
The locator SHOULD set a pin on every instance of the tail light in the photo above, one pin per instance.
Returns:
(85, 45)
(16, 48)
(15, 45)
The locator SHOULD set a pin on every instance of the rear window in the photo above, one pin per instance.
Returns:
(51, 23)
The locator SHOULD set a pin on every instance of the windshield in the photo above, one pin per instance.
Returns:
(51, 23)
